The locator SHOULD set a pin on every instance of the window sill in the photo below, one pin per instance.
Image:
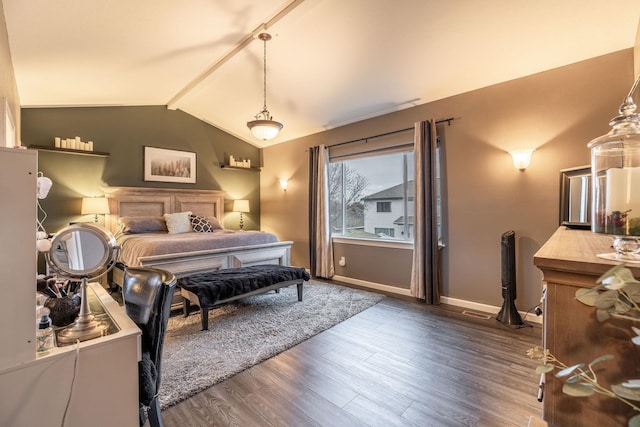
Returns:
(397, 244)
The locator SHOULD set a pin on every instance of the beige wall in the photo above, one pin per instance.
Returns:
(8, 88)
(557, 112)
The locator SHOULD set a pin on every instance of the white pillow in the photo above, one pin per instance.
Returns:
(178, 222)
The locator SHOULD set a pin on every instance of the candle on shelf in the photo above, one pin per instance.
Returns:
(57, 141)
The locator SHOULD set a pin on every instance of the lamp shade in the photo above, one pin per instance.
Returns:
(241, 205)
(521, 158)
(94, 205)
(264, 129)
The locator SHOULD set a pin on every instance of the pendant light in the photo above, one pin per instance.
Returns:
(263, 127)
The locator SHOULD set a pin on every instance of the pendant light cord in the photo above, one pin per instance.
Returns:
(264, 74)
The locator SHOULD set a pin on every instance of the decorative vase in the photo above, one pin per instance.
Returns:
(615, 170)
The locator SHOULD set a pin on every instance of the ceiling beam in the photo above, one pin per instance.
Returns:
(172, 104)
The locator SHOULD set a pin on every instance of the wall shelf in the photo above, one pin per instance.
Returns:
(240, 168)
(70, 151)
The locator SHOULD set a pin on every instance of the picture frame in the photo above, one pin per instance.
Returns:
(575, 197)
(167, 165)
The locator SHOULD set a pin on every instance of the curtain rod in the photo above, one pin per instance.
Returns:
(393, 132)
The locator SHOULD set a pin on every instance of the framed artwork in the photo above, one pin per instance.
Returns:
(165, 165)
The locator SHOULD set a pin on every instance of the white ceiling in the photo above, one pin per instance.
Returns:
(330, 62)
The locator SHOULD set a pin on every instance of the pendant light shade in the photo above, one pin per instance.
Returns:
(263, 127)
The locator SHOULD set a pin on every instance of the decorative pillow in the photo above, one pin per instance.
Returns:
(200, 224)
(215, 224)
(178, 222)
(142, 224)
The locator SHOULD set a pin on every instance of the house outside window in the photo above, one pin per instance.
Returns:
(372, 197)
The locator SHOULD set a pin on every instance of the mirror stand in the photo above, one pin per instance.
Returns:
(82, 252)
(85, 327)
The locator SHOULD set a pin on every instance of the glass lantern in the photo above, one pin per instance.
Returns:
(615, 170)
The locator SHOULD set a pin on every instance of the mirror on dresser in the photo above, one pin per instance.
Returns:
(575, 197)
(82, 251)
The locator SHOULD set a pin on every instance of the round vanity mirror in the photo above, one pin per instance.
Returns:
(82, 251)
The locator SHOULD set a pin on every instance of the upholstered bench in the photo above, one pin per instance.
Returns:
(213, 288)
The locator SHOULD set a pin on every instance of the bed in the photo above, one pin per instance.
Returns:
(187, 253)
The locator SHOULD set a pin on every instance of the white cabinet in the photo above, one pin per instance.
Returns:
(18, 173)
(97, 379)
(96, 382)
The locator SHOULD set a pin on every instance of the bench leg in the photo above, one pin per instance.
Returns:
(204, 313)
(185, 307)
(300, 291)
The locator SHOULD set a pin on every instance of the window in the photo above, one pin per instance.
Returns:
(384, 206)
(381, 232)
(372, 197)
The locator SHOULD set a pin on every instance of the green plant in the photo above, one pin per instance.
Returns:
(616, 294)
(582, 381)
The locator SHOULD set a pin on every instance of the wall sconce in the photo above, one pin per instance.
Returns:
(283, 184)
(521, 158)
(94, 205)
(241, 206)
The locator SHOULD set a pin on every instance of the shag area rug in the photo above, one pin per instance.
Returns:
(246, 332)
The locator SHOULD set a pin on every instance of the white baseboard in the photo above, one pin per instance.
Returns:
(484, 308)
(373, 285)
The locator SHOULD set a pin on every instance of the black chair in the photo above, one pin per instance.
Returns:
(147, 295)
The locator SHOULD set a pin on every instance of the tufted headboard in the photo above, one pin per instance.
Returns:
(141, 201)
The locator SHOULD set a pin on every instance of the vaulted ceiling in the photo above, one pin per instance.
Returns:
(329, 63)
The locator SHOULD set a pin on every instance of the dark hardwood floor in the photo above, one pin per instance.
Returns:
(398, 363)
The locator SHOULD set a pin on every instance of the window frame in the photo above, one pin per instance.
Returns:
(384, 205)
(406, 150)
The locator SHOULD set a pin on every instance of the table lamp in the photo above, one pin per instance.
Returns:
(241, 206)
(95, 206)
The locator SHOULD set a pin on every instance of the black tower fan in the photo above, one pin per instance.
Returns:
(508, 314)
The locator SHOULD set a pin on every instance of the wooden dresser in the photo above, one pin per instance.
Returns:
(573, 334)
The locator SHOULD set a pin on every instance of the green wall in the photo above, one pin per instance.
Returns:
(123, 132)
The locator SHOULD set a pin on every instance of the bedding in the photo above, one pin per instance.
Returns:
(135, 246)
